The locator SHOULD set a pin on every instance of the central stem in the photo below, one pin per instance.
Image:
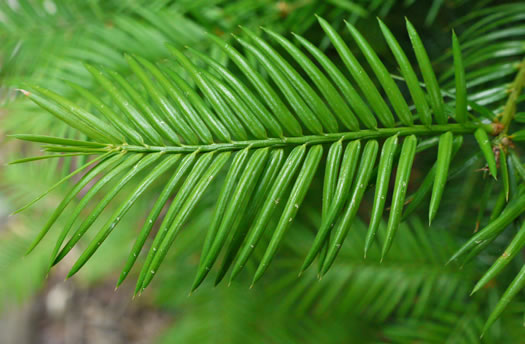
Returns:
(312, 139)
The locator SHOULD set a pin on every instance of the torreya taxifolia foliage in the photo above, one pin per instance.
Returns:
(374, 145)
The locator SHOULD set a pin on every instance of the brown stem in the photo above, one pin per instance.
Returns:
(510, 107)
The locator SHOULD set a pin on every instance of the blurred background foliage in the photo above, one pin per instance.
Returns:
(412, 297)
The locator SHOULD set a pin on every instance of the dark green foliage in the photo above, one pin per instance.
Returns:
(265, 127)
